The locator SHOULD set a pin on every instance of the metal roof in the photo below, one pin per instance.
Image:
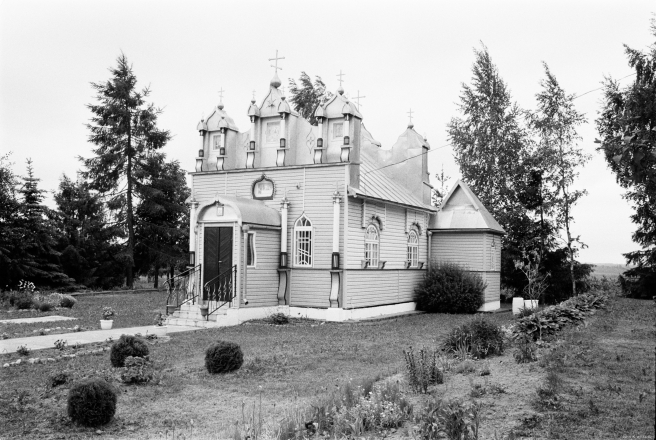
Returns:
(462, 210)
(252, 212)
(375, 183)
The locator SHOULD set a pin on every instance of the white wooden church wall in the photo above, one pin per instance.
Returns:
(308, 190)
(394, 284)
(261, 285)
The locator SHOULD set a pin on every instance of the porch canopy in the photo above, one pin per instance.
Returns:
(251, 212)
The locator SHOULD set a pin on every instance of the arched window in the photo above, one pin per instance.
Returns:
(413, 248)
(303, 243)
(371, 246)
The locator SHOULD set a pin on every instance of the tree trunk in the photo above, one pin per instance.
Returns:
(156, 282)
(130, 220)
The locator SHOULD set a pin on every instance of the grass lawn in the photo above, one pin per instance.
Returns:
(601, 378)
(132, 310)
(291, 364)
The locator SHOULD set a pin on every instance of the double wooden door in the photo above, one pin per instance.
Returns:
(217, 255)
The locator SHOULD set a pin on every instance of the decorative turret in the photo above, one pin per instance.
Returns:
(253, 114)
(320, 115)
(283, 107)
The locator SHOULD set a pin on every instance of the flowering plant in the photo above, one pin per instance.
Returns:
(108, 313)
(159, 320)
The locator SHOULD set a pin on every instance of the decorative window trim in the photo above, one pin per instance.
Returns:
(216, 147)
(251, 243)
(305, 233)
(412, 254)
(372, 246)
(261, 179)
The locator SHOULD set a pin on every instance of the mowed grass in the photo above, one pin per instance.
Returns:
(285, 366)
(132, 310)
(603, 378)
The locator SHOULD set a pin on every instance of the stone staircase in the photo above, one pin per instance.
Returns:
(189, 315)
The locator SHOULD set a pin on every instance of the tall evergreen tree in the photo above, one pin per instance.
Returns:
(627, 127)
(162, 217)
(88, 241)
(308, 96)
(10, 230)
(124, 130)
(559, 158)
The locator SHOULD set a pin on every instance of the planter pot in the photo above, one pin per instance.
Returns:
(106, 324)
(530, 303)
(204, 310)
(170, 309)
(517, 305)
(159, 330)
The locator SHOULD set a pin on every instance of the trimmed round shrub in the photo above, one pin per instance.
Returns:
(92, 402)
(127, 345)
(449, 288)
(480, 337)
(45, 307)
(223, 357)
(67, 301)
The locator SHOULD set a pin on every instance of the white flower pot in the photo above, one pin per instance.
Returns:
(106, 324)
(530, 303)
(517, 305)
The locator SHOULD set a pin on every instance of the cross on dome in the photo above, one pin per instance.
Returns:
(221, 99)
(358, 98)
(275, 81)
(340, 89)
(410, 124)
(276, 60)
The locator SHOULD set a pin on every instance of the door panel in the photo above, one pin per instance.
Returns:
(217, 245)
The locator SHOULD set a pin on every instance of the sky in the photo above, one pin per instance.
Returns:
(398, 55)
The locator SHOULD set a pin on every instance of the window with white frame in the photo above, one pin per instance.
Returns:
(303, 244)
(371, 246)
(413, 248)
(216, 142)
(250, 250)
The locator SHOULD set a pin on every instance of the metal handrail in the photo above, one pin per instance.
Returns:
(221, 288)
(181, 289)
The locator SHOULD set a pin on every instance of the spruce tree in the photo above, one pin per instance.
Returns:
(124, 130)
(10, 230)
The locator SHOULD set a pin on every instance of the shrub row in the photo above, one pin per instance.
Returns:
(24, 300)
(553, 318)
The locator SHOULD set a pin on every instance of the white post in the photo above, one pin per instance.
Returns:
(347, 131)
(336, 201)
(252, 128)
(282, 129)
(284, 205)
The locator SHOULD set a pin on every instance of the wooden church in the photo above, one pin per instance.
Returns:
(319, 221)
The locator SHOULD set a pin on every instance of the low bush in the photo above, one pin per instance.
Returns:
(453, 420)
(92, 402)
(45, 307)
(422, 369)
(277, 319)
(526, 350)
(137, 370)
(449, 288)
(479, 338)
(59, 379)
(22, 301)
(127, 346)
(223, 357)
(67, 301)
(553, 318)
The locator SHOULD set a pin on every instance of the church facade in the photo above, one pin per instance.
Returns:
(318, 220)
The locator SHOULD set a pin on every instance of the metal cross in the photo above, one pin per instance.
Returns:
(253, 95)
(221, 94)
(410, 113)
(340, 77)
(276, 60)
(358, 98)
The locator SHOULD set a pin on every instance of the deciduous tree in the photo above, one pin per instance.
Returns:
(307, 97)
(627, 130)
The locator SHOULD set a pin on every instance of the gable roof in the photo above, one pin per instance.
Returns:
(462, 210)
(376, 184)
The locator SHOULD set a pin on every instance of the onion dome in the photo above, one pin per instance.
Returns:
(253, 110)
(340, 90)
(223, 123)
(275, 81)
(220, 106)
(411, 125)
(283, 107)
(320, 112)
(202, 125)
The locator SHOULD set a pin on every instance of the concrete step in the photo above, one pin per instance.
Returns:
(192, 323)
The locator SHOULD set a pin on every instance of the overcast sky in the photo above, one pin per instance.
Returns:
(399, 55)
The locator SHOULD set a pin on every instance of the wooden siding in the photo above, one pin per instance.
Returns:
(393, 238)
(262, 280)
(310, 288)
(493, 263)
(314, 197)
(464, 248)
(493, 290)
(371, 287)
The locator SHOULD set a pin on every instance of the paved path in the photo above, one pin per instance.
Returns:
(48, 341)
(39, 319)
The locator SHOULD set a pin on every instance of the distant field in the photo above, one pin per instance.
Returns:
(609, 270)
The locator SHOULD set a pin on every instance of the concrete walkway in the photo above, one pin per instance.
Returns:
(88, 337)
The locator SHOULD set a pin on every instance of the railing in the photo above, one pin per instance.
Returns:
(182, 288)
(220, 290)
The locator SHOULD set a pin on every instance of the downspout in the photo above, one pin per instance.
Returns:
(430, 247)
(244, 297)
